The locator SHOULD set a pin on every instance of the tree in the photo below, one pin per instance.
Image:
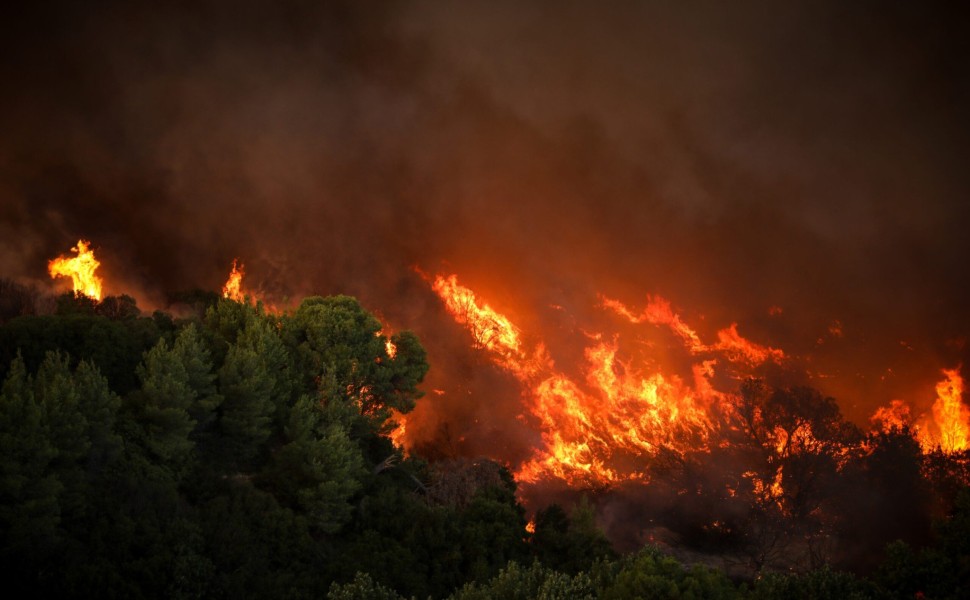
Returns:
(177, 393)
(651, 574)
(337, 346)
(253, 386)
(319, 469)
(29, 490)
(793, 442)
(569, 543)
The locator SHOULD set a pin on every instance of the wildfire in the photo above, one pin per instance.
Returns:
(602, 427)
(233, 287)
(81, 269)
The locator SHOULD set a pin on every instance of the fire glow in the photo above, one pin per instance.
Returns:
(81, 269)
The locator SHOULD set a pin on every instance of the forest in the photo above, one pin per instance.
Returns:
(235, 452)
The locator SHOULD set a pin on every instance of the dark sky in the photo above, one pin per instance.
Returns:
(730, 156)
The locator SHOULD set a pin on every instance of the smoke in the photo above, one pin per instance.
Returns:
(730, 158)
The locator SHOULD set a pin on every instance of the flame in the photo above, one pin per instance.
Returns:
(739, 348)
(399, 433)
(531, 526)
(233, 288)
(658, 311)
(894, 416)
(600, 428)
(947, 427)
(80, 269)
(950, 428)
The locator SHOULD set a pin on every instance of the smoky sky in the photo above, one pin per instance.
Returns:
(731, 157)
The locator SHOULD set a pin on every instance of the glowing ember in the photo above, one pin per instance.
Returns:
(233, 287)
(81, 269)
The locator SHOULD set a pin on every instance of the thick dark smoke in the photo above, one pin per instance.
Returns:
(731, 157)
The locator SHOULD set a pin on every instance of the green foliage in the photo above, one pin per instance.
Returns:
(651, 574)
(115, 346)
(569, 543)
(821, 584)
(30, 511)
(361, 588)
(319, 469)
(259, 549)
(515, 582)
(336, 346)
(177, 392)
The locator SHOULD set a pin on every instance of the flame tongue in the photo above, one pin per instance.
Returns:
(233, 287)
(81, 269)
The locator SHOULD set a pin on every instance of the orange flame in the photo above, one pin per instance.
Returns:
(739, 348)
(947, 428)
(399, 433)
(599, 430)
(950, 427)
(80, 269)
(894, 416)
(233, 287)
(658, 311)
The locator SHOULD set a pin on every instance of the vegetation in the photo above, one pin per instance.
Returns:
(242, 454)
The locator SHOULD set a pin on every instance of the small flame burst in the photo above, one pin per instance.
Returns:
(600, 428)
(399, 434)
(233, 288)
(530, 527)
(81, 269)
(895, 416)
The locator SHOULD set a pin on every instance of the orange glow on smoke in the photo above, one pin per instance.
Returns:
(81, 269)
(233, 288)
